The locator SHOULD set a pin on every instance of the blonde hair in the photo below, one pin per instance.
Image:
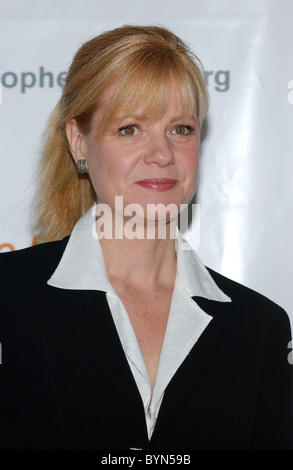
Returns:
(140, 60)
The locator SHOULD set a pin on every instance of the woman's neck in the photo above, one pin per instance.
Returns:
(148, 259)
(145, 262)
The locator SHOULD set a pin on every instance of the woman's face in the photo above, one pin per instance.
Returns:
(145, 162)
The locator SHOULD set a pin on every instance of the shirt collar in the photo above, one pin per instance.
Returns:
(194, 276)
(82, 265)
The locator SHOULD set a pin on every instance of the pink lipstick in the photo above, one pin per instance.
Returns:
(158, 184)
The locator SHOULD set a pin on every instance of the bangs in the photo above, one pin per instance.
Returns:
(145, 93)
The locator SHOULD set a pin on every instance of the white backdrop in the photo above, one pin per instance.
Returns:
(245, 191)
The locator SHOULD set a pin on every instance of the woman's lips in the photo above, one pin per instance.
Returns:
(158, 184)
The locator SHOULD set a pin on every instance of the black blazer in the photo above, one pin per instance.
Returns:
(65, 382)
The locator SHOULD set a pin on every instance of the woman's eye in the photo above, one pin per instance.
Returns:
(182, 130)
(129, 130)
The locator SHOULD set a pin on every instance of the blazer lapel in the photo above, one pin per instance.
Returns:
(189, 374)
(88, 314)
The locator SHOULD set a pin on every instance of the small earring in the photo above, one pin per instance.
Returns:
(81, 166)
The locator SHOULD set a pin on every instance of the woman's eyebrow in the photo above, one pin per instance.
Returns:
(130, 116)
(141, 117)
(182, 117)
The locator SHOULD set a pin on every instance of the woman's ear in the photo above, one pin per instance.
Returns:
(75, 139)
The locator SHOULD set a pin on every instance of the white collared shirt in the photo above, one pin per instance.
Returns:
(82, 267)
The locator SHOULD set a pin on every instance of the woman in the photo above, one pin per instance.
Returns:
(116, 341)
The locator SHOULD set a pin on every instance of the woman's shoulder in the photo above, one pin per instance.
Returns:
(31, 262)
(247, 301)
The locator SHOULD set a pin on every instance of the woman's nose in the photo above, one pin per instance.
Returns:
(159, 151)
